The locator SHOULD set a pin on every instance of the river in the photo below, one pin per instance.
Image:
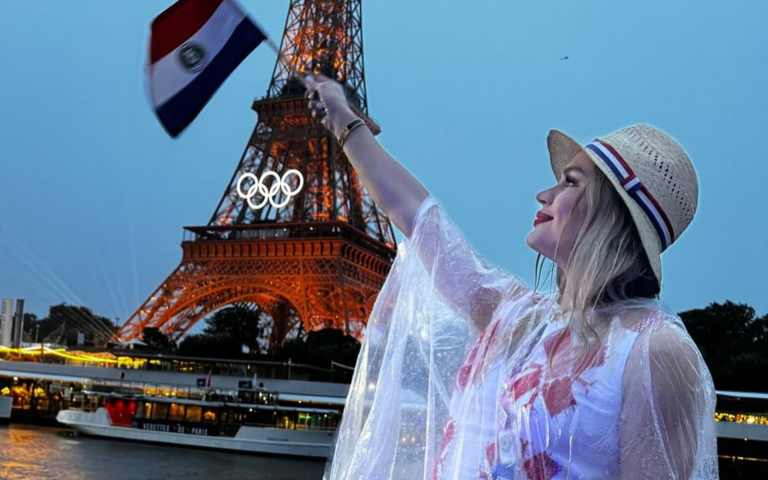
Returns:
(32, 452)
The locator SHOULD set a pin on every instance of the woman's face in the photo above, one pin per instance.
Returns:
(562, 214)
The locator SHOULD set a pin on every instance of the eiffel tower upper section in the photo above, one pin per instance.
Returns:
(320, 36)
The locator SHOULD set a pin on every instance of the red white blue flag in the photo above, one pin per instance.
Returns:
(194, 46)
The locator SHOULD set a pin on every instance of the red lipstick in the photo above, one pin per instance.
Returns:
(541, 217)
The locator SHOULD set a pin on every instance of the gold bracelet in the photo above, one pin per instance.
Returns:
(352, 125)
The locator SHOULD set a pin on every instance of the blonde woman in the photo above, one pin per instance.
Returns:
(467, 373)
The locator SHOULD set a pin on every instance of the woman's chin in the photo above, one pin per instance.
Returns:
(535, 245)
(532, 242)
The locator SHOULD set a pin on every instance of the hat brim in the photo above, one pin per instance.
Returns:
(563, 148)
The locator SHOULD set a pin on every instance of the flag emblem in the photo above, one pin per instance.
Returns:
(192, 57)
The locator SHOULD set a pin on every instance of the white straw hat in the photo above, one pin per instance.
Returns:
(651, 172)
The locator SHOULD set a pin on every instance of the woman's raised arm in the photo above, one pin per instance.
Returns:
(464, 279)
(390, 185)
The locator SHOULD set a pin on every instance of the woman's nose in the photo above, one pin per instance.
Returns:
(545, 197)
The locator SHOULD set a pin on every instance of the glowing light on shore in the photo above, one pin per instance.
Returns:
(62, 353)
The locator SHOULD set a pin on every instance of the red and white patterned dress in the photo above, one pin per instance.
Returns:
(540, 422)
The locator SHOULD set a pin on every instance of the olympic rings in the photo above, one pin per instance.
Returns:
(277, 185)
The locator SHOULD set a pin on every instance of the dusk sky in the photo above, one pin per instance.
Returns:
(94, 194)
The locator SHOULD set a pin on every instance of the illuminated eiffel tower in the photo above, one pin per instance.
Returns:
(326, 254)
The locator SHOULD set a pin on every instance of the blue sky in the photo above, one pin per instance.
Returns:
(94, 194)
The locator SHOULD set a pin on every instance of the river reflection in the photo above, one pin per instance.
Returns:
(32, 453)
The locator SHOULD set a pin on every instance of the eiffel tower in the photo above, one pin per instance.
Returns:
(326, 253)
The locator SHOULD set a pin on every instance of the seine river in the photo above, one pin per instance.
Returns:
(44, 453)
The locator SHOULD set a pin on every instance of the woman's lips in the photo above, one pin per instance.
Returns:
(541, 218)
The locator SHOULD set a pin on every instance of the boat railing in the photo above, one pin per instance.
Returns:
(283, 427)
(259, 369)
(123, 359)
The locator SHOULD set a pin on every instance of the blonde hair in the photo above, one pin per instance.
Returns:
(606, 264)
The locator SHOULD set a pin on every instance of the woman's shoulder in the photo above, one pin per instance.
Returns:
(637, 315)
(519, 300)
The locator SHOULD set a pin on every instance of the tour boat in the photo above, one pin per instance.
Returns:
(254, 421)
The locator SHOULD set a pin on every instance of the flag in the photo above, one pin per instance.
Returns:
(194, 46)
(244, 385)
(209, 379)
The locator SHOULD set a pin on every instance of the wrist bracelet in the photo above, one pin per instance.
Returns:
(351, 126)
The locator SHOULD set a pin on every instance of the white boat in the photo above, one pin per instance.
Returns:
(257, 423)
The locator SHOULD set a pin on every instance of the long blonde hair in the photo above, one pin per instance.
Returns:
(606, 264)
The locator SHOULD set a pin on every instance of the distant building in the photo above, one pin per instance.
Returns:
(18, 323)
(6, 322)
(11, 325)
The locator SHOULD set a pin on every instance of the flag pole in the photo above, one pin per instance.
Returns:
(300, 75)
(273, 46)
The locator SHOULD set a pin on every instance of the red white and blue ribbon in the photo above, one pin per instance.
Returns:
(635, 188)
(194, 46)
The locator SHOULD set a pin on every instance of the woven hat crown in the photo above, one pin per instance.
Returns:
(653, 175)
(665, 170)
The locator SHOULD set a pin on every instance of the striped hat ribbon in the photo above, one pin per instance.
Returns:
(636, 190)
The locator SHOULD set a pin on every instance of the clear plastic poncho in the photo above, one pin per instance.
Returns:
(466, 373)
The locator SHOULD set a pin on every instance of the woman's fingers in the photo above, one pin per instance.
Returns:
(323, 97)
(315, 82)
(320, 86)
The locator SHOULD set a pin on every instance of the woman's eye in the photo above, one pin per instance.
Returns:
(570, 181)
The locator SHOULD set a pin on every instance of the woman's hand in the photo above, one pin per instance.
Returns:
(393, 189)
(328, 103)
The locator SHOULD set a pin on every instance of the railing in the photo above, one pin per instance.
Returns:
(245, 369)
(293, 230)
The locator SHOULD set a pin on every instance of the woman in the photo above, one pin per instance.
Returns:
(467, 373)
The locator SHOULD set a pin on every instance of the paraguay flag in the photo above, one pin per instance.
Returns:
(194, 46)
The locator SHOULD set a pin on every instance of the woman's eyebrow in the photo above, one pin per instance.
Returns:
(572, 169)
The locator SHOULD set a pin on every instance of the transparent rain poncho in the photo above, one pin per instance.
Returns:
(439, 395)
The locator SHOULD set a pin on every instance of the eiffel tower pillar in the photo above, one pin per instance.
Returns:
(327, 252)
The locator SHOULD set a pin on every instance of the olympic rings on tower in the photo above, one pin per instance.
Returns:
(260, 188)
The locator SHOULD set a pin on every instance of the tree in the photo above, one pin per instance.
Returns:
(156, 339)
(743, 372)
(320, 348)
(238, 322)
(65, 322)
(31, 325)
(721, 330)
(733, 342)
(210, 346)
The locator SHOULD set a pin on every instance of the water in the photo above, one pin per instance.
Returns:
(44, 453)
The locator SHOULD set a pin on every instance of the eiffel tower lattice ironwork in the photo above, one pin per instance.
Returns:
(326, 254)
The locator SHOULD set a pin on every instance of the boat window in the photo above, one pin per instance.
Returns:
(209, 415)
(265, 398)
(287, 422)
(245, 396)
(194, 414)
(303, 422)
(233, 416)
(261, 418)
(176, 412)
(160, 411)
